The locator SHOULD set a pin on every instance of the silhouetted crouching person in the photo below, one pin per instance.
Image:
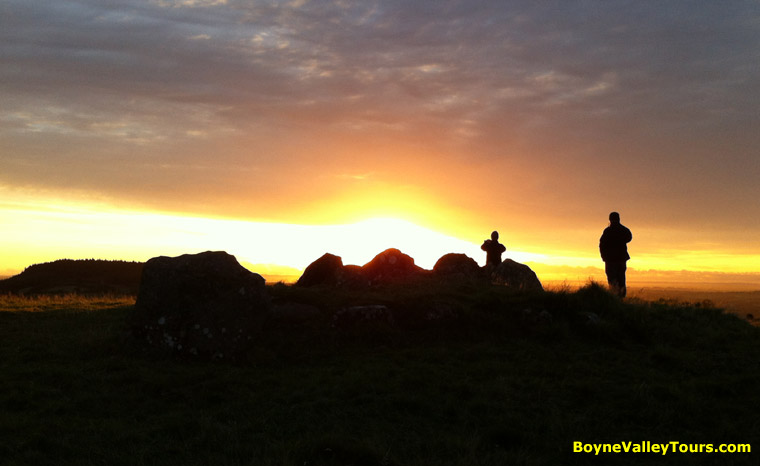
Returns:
(493, 250)
(614, 250)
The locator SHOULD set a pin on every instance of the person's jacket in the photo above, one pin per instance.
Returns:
(613, 243)
(493, 251)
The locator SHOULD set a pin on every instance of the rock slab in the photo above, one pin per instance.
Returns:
(516, 275)
(459, 266)
(205, 305)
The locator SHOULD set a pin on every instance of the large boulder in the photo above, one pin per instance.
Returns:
(327, 270)
(204, 305)
(458, 266)
(391, 265)
(516, 275)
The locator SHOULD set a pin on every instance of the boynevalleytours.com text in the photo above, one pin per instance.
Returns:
(666, 448)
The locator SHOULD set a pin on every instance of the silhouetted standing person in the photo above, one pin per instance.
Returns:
(493, 249)
(614, 250)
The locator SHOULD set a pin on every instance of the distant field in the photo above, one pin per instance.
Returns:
(737, 298)
(741, 303)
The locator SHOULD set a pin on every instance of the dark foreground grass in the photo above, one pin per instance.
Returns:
(501, 386)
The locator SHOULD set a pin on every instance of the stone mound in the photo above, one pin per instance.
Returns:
(389, 266)
(393, 266)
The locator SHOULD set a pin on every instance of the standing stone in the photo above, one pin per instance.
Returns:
(205, 305)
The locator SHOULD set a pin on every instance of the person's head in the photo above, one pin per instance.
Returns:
(495, 236)
(614, 217)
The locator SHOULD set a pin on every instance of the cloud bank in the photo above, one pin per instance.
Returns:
(525, 113)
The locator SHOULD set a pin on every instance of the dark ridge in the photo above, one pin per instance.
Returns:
(88, 276)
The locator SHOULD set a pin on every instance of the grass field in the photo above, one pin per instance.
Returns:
(499, 387)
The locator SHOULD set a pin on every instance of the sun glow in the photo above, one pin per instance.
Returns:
(45, 231)
(38, 229)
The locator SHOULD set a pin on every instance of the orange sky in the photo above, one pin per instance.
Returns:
(459, 117)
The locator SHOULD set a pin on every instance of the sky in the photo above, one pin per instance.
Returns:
(279, 130)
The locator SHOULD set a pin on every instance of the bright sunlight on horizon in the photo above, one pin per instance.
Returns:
(87, 231)
(61, 229)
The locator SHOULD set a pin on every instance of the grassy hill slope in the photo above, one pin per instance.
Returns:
(499, 385)
(90, 276)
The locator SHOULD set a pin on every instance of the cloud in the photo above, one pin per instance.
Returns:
(467, 59)
(189, 3)
(630, 103)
